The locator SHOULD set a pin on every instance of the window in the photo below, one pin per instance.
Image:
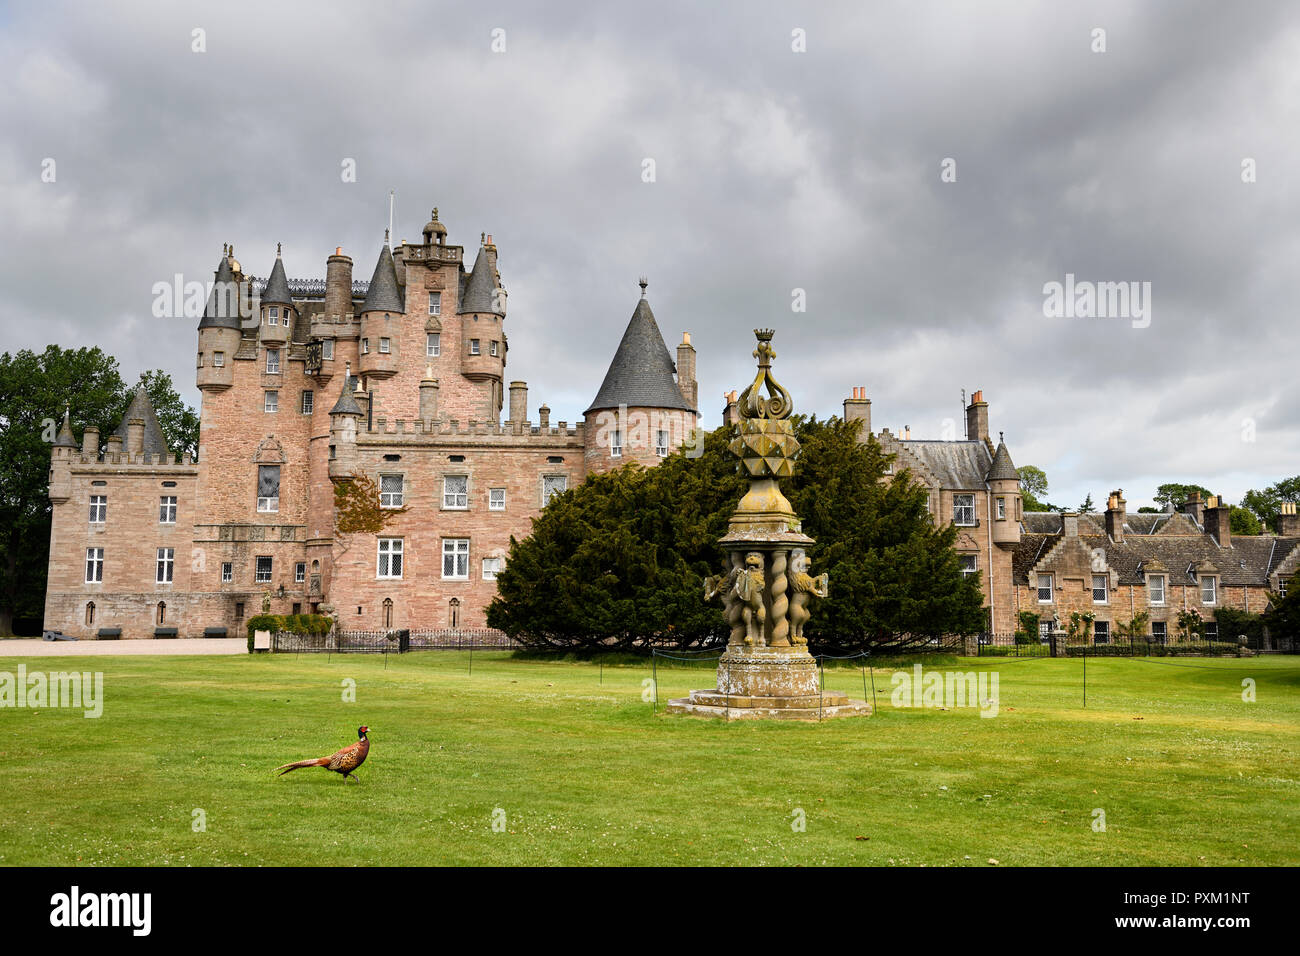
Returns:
(1156, 589)
(1281, 586)
(300, 572)
(273, 361)
(455, 491)
(616, 444)
(1101, 632)
(1158, 632)
(167, 509)
(496, 499)
(1002, 507)
(239, 610)
(385, 346)
(388, 612)
(553, 485)
(453, 612)
(268, 488)
(661, 443)
(963, 510)
(1211, 630)
(218, 359)
(492, 347)
(263, 573)
(1100, 588)
(492, 567)
(200, 365)
(455, 557)
(390, 491)
(327, 349)
(272, 402)
(435, 303)
(99, 512)
(365, 346)
(273, 315)
(433, 344)
(1044, 589)
(162, 613)
(308, 401)
(94, 565)
(1209, 589)
(1044, 631)
(390, 558)
(90, 613)
(227, 572)
(474, 347)
(166, 565)
(969, 564)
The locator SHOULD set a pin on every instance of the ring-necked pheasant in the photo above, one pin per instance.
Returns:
(345, 761)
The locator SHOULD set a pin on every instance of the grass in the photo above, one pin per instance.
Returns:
(585, 774)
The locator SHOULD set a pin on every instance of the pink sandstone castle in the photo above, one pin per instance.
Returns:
(305, 383)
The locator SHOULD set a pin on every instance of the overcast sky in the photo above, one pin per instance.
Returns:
(775, 170)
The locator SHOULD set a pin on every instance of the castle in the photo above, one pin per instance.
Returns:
(308, 383)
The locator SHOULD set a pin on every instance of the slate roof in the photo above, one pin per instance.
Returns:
(276, 291)
(642, 372)
(141, 407)
(222, 310)
(65, 438)
(1002, 468)
(476, 295)
(347, 405)
(383, 293)
(1249, 561)
(958, 465)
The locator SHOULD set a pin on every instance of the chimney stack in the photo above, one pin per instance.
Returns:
(90, 442)
(1116, 512)
(1217, 523)
(135, 437)
(977, 418)
(1069, 521)
(1288, 522)
(518, 402)
(338, 286)
(730, 410)
(686, 371)
(544, 416)
(1194, 507)
(858, 409)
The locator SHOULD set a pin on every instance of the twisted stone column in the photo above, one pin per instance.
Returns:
(780, 603)
(735, 619)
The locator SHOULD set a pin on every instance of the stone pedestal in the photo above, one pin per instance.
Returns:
(767, 682)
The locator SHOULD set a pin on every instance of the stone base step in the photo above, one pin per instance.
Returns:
(709, 703)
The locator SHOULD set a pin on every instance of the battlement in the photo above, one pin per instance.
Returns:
(439, 430)
(182, 464)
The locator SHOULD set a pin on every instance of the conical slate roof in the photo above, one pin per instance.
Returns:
(65, 438)
(479, 287)
(641, 373)
(142, 408)
(222, 311)
(346, 405)
(1002, 468)
(277, 286)
(384, 294)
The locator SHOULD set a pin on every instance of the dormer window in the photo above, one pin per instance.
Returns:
(1209, 589)
(963, 510)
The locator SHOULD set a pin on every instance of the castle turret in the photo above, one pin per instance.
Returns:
(344, 419)
(435, 232)
(482, 314)
(219, 331)
(64, 450)
(381, 316)
(639, 413)
(1004, 483)
(277, 306)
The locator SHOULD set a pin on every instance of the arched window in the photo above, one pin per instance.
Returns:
(162, 613)
(388, 612)
(453, 612)
(90, 613)
(315, 567)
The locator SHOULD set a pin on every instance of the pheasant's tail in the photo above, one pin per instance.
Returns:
(320, 762)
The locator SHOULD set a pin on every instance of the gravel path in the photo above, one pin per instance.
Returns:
(23, 647)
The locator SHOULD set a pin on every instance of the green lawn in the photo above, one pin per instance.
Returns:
(586, 774)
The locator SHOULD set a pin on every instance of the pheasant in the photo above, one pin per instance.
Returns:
(345, 761)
